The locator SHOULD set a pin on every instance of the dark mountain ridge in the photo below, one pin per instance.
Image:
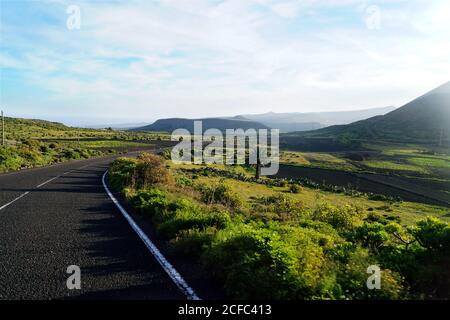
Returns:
(171, 124)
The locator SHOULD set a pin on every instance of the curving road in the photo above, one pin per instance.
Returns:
(57, 216)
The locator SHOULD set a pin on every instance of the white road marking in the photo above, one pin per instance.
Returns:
(49, 180)
(41, 185)
(54, 178)
(11, 202)
(167, 266)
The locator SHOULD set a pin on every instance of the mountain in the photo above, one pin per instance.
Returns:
(296, 121)
(425, 119)
(171, 124)
(117, 126)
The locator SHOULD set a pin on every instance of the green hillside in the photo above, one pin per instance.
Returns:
(30, 143)
(423, 120)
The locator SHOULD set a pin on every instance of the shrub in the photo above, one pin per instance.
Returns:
(193, 242)
(220, 193)
(184, 181)
(121, 173)
(150, 170)
(153, 202)
(172, 216)
(370, 235)
(191, 216)
(432, 234)
(43, 149)
(294, 188)
(166, 154)
(257, 263)
(430, 274)
(351, 277)
(283, 205)
(342, 218)
(145, 171)
(70, 154)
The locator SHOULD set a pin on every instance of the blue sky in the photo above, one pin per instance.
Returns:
(135, 61)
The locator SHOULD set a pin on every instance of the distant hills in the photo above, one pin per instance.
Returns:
(117, 126)
(285, 122)
(297, 121)
(171, 124)
(426, 119)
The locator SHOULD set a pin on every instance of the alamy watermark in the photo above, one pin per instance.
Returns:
(74, 280)
(374, 280)
(239, 146)
(73, 21)
(373, 17)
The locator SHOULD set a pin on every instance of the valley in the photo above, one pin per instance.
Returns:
(344, 197)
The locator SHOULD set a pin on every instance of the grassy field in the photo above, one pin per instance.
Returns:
(405, 212)
(414, 158)
(271, 239)
(18, 129)
(31, 143)
(383, 159)
(394, 165)
(316, 160)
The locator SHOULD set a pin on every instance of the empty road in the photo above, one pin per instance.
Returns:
(57, 216)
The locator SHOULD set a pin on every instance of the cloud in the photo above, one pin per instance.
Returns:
(142, 59)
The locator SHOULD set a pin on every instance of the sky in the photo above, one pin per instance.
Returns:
(96, 62)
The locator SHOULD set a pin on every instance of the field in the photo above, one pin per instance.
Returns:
(406, 212)
(412, 172)
(32, 143)
(272, 238)
(375, 159)
(316, 160)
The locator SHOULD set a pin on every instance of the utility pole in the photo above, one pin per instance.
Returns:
(3, 129)
(258, 164)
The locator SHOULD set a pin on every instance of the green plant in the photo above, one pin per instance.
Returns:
(432, 234)
(294, 188)
(342, 218)
(256, 263)
(150, 170)
(220, 193)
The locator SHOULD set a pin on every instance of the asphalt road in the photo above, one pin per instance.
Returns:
(70, 220)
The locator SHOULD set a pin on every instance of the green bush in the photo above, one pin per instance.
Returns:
(432, 234)
(184, 181)
(145, 171)
(370, 235)
(193, 242)
(191, 216)
(152, 202)
(294, 188)
(220, 193)
(172, 216)
(121, 173)
(257, 263)
(351, 276)
(341, 218)
(150, 170)
(282, 204)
